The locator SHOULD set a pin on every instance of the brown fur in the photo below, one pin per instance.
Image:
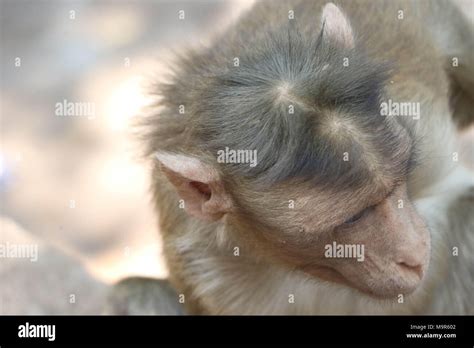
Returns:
(281, 249)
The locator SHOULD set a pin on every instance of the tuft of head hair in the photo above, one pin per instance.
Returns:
(291, 98)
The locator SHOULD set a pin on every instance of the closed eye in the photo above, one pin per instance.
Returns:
(354, 218)
(357, 216)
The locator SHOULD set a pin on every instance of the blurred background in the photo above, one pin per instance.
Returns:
(72, 183)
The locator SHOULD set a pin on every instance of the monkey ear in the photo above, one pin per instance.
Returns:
(336, 26)
(198, 185)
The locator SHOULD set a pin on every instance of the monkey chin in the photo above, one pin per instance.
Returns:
(391, 288)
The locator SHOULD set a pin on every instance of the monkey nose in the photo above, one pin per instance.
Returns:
(411, 265)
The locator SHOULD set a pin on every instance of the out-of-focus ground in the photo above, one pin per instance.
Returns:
(74, 186)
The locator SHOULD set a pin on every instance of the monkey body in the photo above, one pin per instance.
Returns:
(232, 263)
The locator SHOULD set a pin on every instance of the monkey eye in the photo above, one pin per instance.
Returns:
(356, 217)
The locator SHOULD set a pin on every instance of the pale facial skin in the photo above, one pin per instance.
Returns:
(382, 219)
(395, 240)
(396, 247)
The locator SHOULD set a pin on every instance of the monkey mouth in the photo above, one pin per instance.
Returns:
(326, 273)
(391, 291)
(331, 275)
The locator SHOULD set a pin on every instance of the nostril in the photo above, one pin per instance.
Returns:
(416, 268)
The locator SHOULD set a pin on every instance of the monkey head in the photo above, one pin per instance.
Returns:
(290, 153)
(369, 237)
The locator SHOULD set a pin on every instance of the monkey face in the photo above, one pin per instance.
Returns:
(367, 236)
(383, 250)
(375, 242)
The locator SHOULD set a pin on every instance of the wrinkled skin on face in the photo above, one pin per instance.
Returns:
(383, 224)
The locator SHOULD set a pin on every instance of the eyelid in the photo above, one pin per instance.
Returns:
(364, 211)
(357, 216)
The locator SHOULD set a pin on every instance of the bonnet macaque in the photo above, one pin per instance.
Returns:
(306, 163)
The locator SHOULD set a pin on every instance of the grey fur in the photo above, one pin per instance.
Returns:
(243, 106)
(240, 107)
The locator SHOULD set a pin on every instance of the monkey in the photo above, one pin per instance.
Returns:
(350, 109)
